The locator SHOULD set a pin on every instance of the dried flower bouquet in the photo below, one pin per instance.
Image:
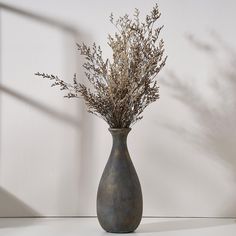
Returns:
(124, 86)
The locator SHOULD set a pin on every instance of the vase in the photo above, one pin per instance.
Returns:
(119, 196)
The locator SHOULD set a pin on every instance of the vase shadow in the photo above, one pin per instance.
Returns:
(182, 224)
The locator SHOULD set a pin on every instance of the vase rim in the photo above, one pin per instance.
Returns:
(119, 130)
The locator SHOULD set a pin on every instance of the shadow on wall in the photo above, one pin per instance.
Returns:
(14, 207)
(70, 33)
(86, 182)
(216, 119)
(37, 105)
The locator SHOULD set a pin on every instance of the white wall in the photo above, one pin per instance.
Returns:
(183, 149)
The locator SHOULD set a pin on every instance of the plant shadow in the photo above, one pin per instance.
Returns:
(212, 108)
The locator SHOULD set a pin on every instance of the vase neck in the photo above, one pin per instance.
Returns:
(119, 136)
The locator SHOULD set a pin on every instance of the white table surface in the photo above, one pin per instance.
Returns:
(90, 227)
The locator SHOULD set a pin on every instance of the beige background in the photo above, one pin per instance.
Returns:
(53, 153)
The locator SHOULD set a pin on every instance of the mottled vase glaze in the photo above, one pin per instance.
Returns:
(119, 197)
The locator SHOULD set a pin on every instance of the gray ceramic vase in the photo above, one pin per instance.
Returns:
(119, 196)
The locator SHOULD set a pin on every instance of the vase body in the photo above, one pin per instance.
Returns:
(119, 196)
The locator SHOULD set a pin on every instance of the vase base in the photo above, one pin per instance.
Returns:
(120, 232)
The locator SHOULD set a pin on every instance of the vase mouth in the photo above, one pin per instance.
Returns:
(119, 130)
